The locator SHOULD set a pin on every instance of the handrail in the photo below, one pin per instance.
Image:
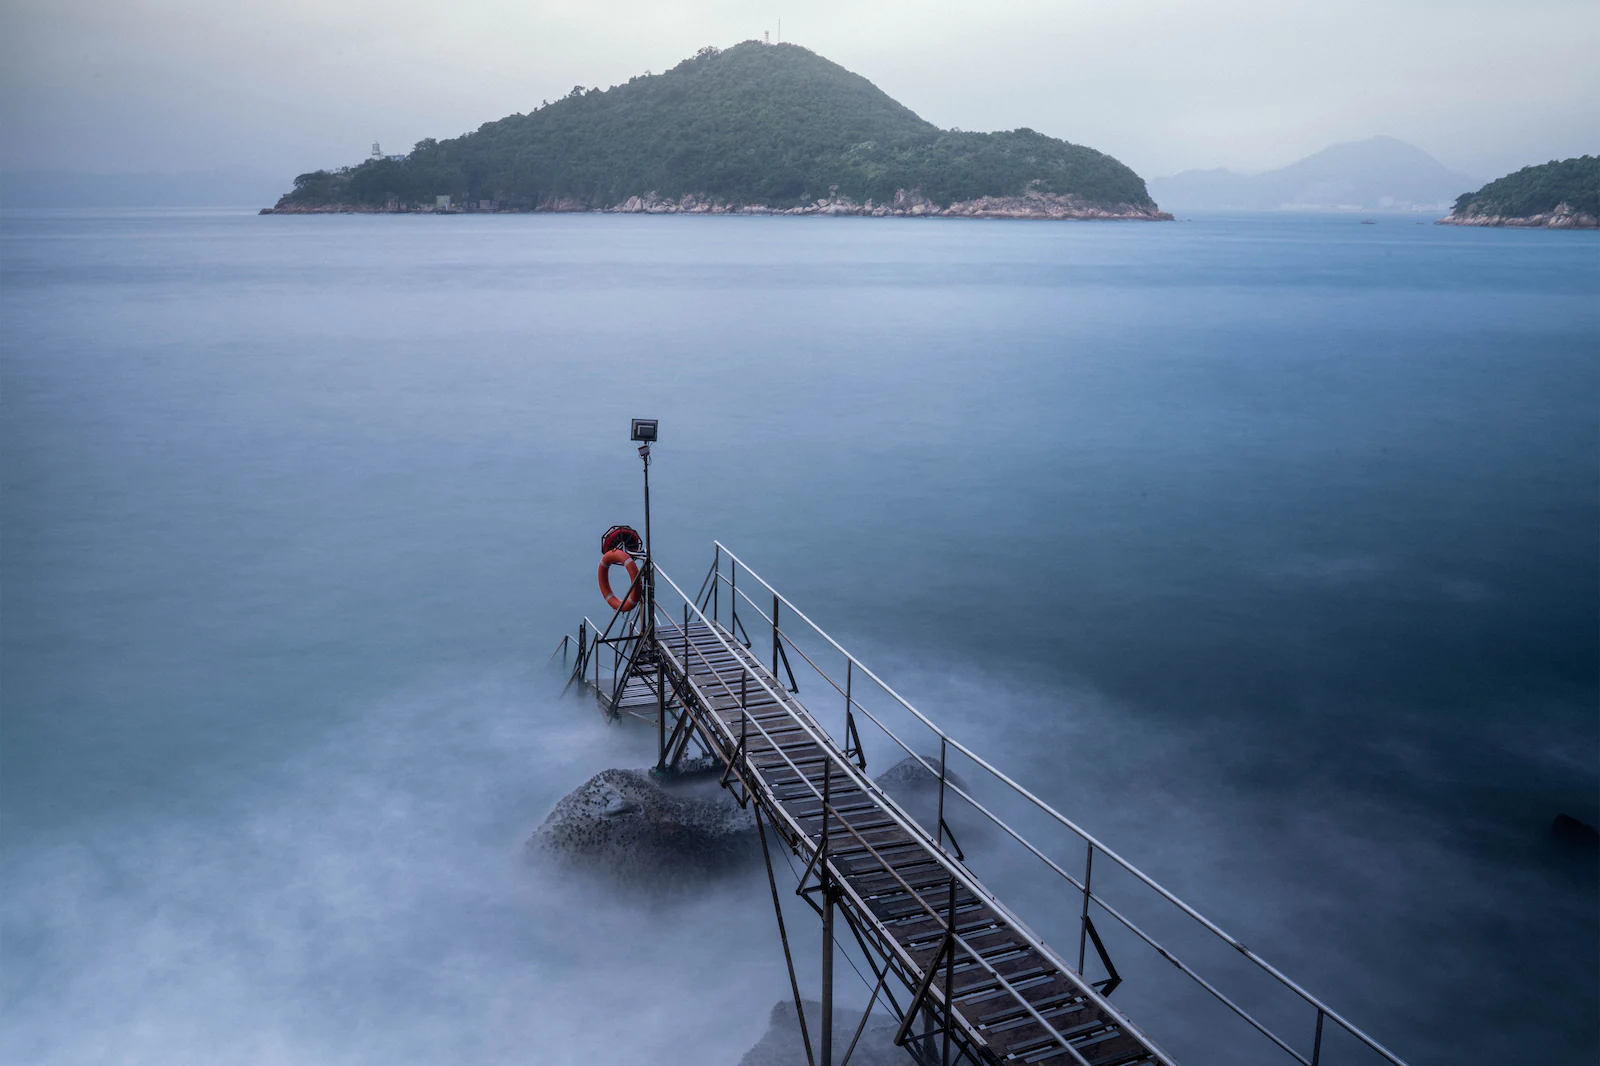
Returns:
(591, 652)
(1323, 1011)
(1019, 838)
(912, 827)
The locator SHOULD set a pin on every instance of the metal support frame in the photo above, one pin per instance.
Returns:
(783, 935)
(1083, 929)
(1109, 983)
(827, 877)
(661, 714)
(852, 736)
(831, 891)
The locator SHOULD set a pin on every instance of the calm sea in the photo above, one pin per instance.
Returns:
(1264, 546)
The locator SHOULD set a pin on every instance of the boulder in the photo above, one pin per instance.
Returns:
(781, 1044)
(910, 776)
(916, 789)
(642, 830)
(1577, 837)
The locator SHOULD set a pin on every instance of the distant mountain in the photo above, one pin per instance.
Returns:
(755, 128)
(1378, 174)
(1557, 195)
(235, 187)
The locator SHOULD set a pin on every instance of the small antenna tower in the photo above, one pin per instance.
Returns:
(766, 37)
(780, 31)
(377, 153)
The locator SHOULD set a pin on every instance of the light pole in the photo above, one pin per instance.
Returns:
(644, 431)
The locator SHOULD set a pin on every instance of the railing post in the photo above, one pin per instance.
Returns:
(1316, 1046)
(849, 707)
(733, 598)
(774, 634)
(941, 791)
(661, 713)
(827, 800)
(716, 582)
(1083, 931)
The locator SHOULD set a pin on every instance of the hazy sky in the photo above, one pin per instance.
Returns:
(290, 85)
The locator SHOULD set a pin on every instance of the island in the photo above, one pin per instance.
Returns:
(753, 129)
(1560, 194)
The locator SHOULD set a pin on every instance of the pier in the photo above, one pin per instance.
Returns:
(715, 673)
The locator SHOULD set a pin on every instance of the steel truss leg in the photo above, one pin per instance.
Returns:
(827, 973)
(945, 959)
(877, 990)
(777, 908)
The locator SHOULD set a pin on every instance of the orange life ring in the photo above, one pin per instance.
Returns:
(607, 561)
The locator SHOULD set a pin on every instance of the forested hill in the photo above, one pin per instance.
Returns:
(1561, 194)
(774, 126)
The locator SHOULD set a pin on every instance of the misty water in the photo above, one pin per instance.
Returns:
(1265, 547)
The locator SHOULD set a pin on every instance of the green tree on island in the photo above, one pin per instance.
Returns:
(771, 125)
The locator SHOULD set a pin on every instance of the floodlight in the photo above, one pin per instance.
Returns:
(644, 429)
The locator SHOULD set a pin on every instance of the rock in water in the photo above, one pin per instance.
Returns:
(1578, 837)
(640, 830)
(781, 1044)
(909, 775)
(916, 789)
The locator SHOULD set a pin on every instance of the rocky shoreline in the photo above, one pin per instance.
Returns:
(1030, 205)
(1562, 217)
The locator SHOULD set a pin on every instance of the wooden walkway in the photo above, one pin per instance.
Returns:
(1001, 996)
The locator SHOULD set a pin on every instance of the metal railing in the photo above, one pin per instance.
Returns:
(604, 658)
(851, 773)
(740, 581)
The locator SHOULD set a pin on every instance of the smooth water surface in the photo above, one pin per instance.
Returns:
(1264, 546)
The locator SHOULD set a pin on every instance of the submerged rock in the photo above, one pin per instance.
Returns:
(638, 829)
(1577, 837)
(781, 1044)
(909, 775)
(916, 789)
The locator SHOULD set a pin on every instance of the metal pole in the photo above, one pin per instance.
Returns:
(1083, 931)
(827, 801)
(941, 792)
(716, 583)
(777, 908)
(827, 906)
(850, 713)
(827, 969)
(661, 714)
(1316, 1048)
(649, 567)
(774, 634)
